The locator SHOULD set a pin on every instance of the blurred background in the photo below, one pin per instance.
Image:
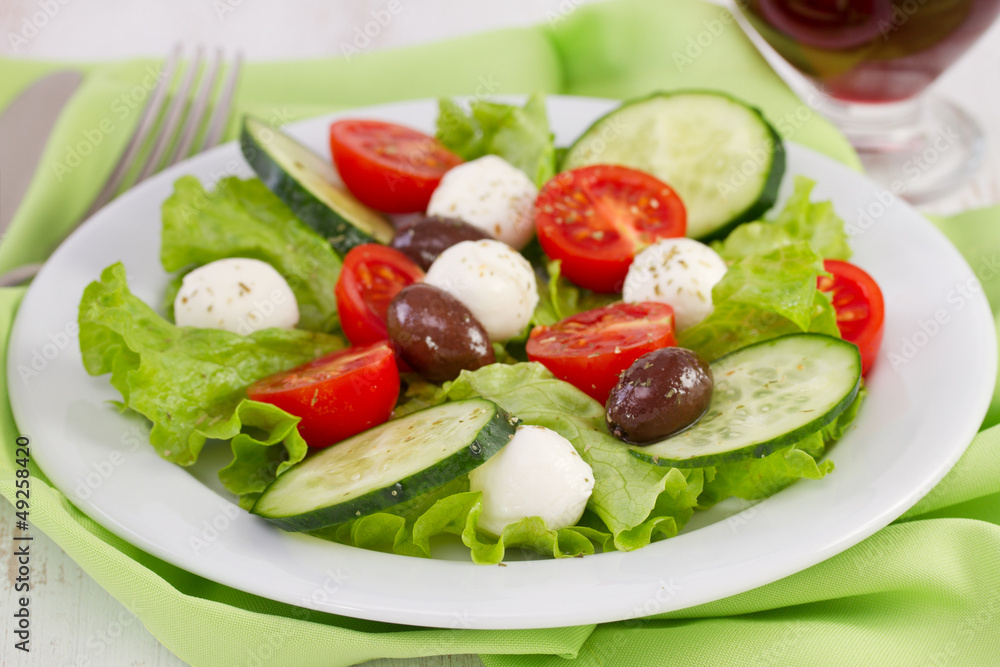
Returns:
(100, 29)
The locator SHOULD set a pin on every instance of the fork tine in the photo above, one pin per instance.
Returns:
(196, 116)
(174, 114)
(221, 113)
(139, 135)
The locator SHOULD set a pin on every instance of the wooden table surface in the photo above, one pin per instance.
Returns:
(75, 622)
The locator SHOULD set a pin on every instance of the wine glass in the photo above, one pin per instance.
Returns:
(871, 62)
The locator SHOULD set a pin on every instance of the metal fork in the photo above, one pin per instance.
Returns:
(166, 121)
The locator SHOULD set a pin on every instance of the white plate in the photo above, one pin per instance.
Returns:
(920, 415)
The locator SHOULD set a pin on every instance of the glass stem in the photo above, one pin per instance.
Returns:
(879, 128)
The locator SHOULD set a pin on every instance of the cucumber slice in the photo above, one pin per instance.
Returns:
(719, 154)
(309, 185)
(387, 465)
(766, 396)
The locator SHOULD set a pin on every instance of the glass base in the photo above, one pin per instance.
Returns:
(920, 149)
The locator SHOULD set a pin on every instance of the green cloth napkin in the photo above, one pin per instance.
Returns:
(924, 591)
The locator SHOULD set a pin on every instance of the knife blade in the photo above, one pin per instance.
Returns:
(25, 126)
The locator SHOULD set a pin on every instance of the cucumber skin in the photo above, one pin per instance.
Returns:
(339, 231)
(768, 195)
(762, 449)
(491, 439)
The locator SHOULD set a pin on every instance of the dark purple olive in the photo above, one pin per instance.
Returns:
(662, 393)
(430, 236)
(436, 334)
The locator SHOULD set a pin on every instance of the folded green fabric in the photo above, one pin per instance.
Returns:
(922, 591)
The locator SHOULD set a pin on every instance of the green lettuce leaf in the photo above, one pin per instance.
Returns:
(800, 220)
(459, 515)
(170, 295)
(520, 135)
(391, 530)
(419, 394)
(190, 382)
(559, 298)
(242, 218)
(529, 533)
(265, 442)
(454, 510)
(762, 297)
(755, 479)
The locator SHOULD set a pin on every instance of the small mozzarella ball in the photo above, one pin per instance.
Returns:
(493, 281)
(680, 272)
(236, 294)
(538, 473)
(491, 194)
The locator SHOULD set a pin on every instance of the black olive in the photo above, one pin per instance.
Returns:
(430, 236)
(436, 334)
(661, 394)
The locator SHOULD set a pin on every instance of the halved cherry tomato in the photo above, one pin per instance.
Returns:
(597, 218)
(859, 305)
(338, 395)
(387, 166)
(371, 276)
(591, 349)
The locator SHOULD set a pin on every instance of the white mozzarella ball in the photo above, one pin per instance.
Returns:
(236, 294)
(493, 281)
(680, 272)
(538, 473)
(491, 194)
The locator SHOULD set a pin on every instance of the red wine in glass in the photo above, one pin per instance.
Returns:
(871, 50)
(873, 60)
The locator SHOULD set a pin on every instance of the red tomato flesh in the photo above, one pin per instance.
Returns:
(591, 349)
(860, 308)
(389, 167)
(371, 276)
(336, 396)
(597, 218)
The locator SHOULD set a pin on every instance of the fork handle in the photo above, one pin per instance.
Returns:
(19, 275)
